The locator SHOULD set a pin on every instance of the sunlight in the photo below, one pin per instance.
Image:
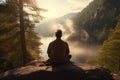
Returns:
(59, 39)
(58, 8)
(50, 6)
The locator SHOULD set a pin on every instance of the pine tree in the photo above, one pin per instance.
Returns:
(109, 55)
(10, 40)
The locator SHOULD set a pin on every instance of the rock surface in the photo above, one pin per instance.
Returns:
(70, 71)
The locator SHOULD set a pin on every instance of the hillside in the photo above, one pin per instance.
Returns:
(97, 19)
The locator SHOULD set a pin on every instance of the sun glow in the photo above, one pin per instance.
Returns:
(52, 8)
(58, 8)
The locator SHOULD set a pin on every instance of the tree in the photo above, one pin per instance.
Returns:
(10, 40)
(22, 32)
(32, 8)
(109, 55)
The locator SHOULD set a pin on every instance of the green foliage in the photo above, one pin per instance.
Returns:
(109, 55)
(98, 17)
(10, 43)
(92, 62)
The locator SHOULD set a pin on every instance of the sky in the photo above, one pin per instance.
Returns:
(58, 8)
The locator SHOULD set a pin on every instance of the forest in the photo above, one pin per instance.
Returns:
(100, 19)
(20, 44)
(11, 42)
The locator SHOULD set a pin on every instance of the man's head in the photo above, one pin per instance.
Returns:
(58, 34)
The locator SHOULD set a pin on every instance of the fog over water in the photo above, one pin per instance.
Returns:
(79, 52)
(58, 17)
(47, 37)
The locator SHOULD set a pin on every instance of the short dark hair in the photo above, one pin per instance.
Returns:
(58, 33)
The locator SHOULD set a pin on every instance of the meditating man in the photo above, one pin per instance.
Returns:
(58, 50)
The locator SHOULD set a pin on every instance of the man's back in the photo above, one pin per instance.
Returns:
(58, 51)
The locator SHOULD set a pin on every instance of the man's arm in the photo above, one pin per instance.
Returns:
(67, 49)
(49, 50)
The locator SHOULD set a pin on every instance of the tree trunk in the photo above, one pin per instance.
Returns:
(22, 33)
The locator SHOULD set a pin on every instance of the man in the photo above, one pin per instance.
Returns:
(58, 50)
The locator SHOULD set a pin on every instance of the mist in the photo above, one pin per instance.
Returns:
(80, 52)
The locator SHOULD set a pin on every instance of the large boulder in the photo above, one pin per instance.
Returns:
(70, 71)
(99, 74)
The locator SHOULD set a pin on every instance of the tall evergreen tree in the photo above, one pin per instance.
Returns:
(10, 40)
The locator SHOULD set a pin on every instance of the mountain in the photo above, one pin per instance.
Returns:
(67, 16)
(45, 28)
(97, 20)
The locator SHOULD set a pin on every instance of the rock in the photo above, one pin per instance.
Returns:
(99, 74)
(70, 71)
(116, 76)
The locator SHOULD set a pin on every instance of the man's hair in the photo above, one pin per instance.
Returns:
(58, 33)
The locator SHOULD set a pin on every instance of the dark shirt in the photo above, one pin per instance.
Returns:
(58, 51)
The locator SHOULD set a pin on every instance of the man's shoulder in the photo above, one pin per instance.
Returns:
(64, 42)
(52, 42)
(56, 41)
